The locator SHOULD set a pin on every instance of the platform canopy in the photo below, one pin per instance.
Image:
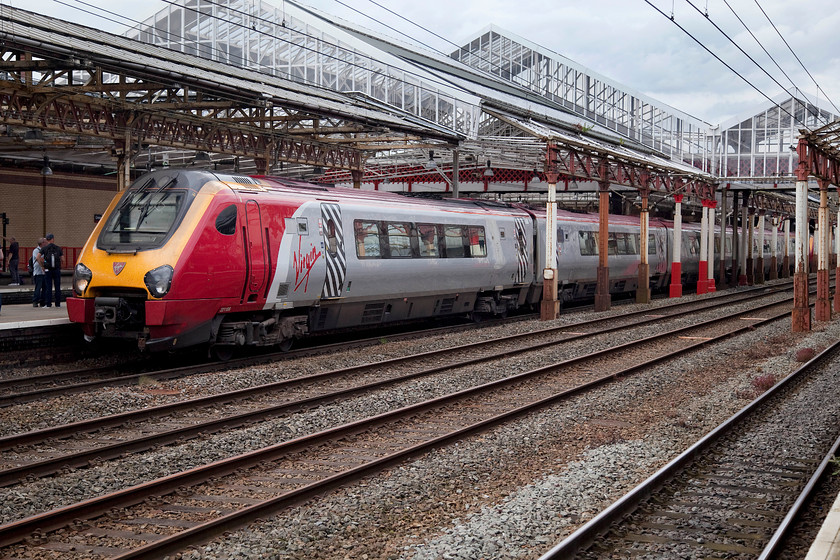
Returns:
(244, 85)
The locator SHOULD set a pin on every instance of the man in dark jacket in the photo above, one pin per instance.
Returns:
(52, 269)
(14, 259)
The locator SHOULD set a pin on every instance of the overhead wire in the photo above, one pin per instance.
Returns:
(745, 53)
(719, 59)
(796, 57)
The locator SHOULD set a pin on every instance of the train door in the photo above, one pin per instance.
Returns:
(335, 257)
(256, 250)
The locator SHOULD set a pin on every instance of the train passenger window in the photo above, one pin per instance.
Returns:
(651, 244)
(428, 240)
(588, 243)
(611, 244)
(226, 221)
(399, 239)
(367, 239)
(625, 244)
(478, 245)
(455, 239)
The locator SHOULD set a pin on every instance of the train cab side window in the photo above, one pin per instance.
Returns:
(367, 239)
(332, 238)
(478, 244)
(399, 240)
(226, 221)
(456, 241)
(428, 235)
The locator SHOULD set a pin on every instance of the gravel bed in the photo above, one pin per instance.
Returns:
(510, 493)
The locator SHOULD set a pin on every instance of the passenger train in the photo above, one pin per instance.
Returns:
(186, 257)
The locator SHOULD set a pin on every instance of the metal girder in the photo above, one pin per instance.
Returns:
(601, 168)
(819, 156)
(92, 116)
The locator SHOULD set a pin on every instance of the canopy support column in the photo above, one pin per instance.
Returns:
(751, 247)
(722, 268)
(742, 273)
(801, 315)
(837, 270)
(643, 287)
(774, 260)
(703, 265)
(786, 258)
(675, 289)
(602, 289)
(759, 267)
(710, 252)
(550, 306)
(822, 307)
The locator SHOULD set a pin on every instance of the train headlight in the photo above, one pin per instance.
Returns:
(159, 280)
(81, 279)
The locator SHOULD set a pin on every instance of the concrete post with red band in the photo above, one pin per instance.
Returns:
(710, 247)
(703, 265)
(675, 289)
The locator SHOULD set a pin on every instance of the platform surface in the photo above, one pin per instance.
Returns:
(21, 315)
(827, 544)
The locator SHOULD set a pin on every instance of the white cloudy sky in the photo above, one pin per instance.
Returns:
(625, 40)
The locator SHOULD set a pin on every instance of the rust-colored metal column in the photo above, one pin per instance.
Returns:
(736, 244)
(357, 178)
(722, 262)
(759, 265)
(801, 314)
(602, 290)
(643, 287)
(822, 307)
(710, 247)
(742, 249)
(675, 289)
(774, 260)
(786, 258)
(750, 248)
(703, 265)
(837, 270)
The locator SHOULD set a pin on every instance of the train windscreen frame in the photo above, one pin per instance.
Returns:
(148, 214)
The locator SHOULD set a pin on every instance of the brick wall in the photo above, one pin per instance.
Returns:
(72, 202)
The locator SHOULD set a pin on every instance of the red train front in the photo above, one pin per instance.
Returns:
(178, 254)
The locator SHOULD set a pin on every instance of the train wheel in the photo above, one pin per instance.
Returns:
(286, 344)
(221, 353)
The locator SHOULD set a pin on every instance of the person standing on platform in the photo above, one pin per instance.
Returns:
(39, 295)
(14, 250)
(52, 270)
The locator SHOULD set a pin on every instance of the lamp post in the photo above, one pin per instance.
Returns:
(46, 170)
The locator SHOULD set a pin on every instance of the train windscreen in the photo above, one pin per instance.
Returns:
(145, 217)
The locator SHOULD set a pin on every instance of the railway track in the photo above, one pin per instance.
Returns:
(737, 491)
(312, 464)
(17, 390)
(140, 430)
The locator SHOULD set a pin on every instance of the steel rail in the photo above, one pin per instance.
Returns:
(47, 521)
(95, 455)
(207, 531)
(584, 536)
(183, 371)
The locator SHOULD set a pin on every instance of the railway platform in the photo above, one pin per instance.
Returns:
(827, 544)
(16, 311)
